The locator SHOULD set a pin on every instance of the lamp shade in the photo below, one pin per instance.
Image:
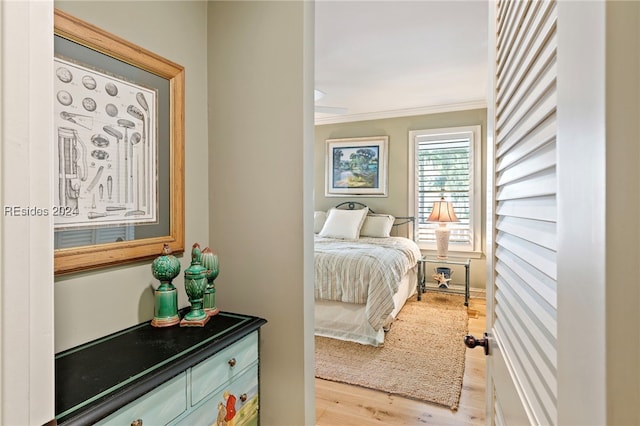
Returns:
(442, 212)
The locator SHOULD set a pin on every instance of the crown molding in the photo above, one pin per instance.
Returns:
(462, 106)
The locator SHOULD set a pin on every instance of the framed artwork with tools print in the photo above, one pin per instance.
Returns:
(119, 149)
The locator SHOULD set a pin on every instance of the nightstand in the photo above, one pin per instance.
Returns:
(422, 274)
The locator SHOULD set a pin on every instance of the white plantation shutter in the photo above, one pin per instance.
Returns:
(525, 321)
(445, 164)
(85, 237)
(443, 170)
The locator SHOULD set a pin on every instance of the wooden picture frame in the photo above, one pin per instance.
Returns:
(120, 192)
(357, 167)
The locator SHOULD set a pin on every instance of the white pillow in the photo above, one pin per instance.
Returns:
(344, 224)
(319, 218)
(377, 225)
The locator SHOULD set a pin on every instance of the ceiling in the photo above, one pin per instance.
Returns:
(379, 59)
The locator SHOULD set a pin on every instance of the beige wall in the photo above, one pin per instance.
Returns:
(623, 227)
(261, 138)
(398, 131)
(248, 181)
(90, 305)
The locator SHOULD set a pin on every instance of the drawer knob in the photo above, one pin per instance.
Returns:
(232, 362)
(243, 397)
(137, 422)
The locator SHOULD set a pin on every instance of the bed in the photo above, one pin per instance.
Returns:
(364, 272)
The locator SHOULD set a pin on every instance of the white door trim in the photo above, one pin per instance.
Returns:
(26, 237)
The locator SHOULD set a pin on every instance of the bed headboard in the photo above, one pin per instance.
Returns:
(408, 221)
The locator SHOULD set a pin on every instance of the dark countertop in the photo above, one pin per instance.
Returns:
(99, 377)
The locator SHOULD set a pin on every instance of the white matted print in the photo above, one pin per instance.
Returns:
(105, 150)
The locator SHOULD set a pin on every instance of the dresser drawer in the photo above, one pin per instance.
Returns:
(212, 373)
(158, 407)
(245, 391)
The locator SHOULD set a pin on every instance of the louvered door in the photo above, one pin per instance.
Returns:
(523, 159)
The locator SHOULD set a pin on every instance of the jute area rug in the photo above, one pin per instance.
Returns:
(422, 358)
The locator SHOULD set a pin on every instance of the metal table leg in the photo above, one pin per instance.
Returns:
(421, 279)
(466, 284)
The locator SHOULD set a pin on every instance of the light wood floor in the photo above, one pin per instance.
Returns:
(339, 404)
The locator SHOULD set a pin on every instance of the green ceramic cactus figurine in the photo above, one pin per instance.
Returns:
(165, 268)
(210, 262)
(195, 282)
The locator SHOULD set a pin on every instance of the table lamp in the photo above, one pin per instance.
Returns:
(442, 213)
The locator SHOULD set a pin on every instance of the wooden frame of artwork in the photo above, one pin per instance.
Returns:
(119, 168)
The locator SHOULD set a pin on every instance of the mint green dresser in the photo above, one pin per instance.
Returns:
(147, 376)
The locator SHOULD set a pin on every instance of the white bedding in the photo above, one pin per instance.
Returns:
(363, 276)
(347, 321)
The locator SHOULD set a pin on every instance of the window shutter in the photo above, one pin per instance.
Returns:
(85, 237)
(443, 170)
(525, 296)
(446, 162)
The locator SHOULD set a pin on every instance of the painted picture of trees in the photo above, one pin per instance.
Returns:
(357, 166)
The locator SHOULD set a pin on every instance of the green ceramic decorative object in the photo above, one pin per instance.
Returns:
(195, 283)
(165, 268)
(210, 262)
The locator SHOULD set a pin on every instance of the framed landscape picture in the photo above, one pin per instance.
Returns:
(357, 167)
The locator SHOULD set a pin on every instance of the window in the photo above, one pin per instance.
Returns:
(446, 163)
